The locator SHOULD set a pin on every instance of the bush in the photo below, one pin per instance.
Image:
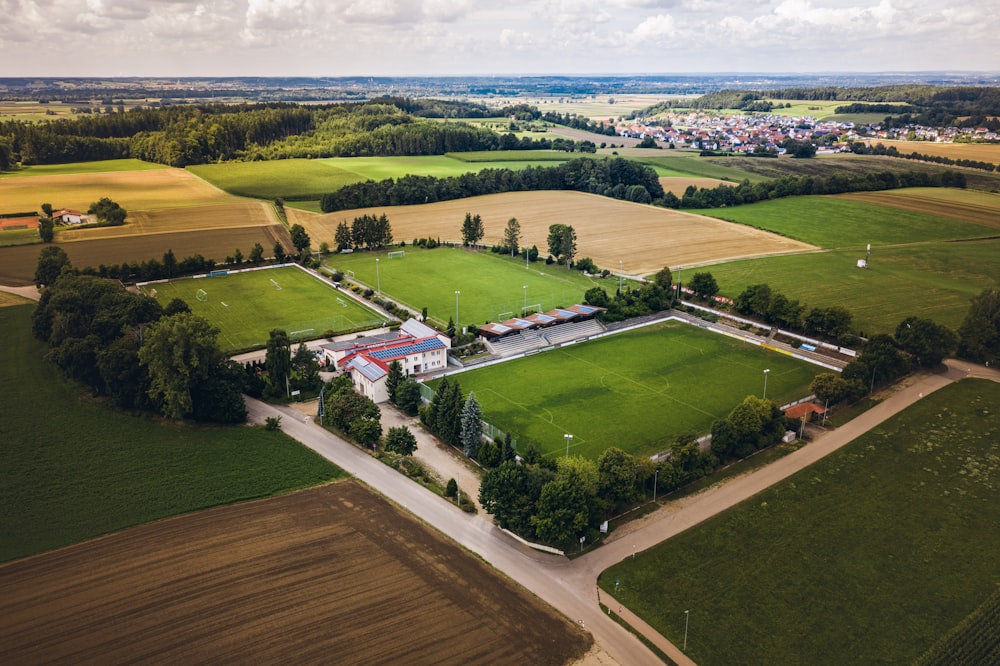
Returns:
(272, 423)
(451, 490)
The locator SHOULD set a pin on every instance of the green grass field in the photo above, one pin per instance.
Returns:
(867, 557)
(836, 223)
(256, 305)
(685, 163)
(295, 179)
(636, 390)
(490, 285)
(932, 280)
(74, 469)
(517, 156)
(102, 166)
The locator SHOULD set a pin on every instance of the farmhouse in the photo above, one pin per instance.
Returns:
(68, 217)
(418, 348)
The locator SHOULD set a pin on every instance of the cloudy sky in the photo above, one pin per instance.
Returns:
(456, 37)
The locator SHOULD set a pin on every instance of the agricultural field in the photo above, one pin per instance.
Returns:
(636, 390)
(679, 184)
(490, 284)
(245, 307)
(895, 530)
(931, 280)
(74, 468)
(335, 573)
(688, 163)
(836, 222)
(644, 238)
(17, 264)
(100, 166)
(981, 208)
(980, 152)
(242, 214)
(143, 189)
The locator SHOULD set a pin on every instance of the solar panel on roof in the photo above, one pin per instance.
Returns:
(500, 328)
(566, 313)
(586, 309)
(542, 318)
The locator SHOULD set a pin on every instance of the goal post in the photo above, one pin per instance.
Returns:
(396, 254)
(305, 332)
(201, 295)
(152, 292)
(537, 307)
(274, 283)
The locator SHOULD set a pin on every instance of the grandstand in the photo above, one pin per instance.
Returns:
(528, 340)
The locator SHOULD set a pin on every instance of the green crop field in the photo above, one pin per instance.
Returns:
(867, 557)
(932, 280)
(636, 390)
(686, 163)
(441, 166)
(74, 469)
(490, 285)
(835, 223)
(294, 179)
(245, 307)
(101, 166)
(518, 156)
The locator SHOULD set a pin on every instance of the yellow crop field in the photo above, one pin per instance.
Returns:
(193, 218)
(134, 190)
(968, 205)
(677, 184)
(981, 152)
(644, 238)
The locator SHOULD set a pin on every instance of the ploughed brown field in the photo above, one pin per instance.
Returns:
(196, 218)
(18, 263)
(644, 238)
(334, 574)
(968, 205)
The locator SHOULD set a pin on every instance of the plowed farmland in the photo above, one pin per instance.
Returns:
(197, 218)
(17, 264)
(643, 237)
(334, 574)
(968, 205)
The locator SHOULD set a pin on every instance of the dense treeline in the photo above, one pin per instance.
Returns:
(580, 123)
(745, 192)
(860, 148)
(613, 177)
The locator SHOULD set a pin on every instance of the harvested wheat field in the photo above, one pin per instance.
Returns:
(134, 190)
(980, 152)
(644, 238)
(968, 205)
(677, 184)
(170, 220)
(333, 574)
(18, 263)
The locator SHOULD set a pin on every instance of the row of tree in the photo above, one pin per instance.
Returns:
(365, 232)
(772, 307)
(861, 148)
(614, 177)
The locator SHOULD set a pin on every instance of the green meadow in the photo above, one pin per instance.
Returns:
(491, 286)
(102, 166)
(636, 390)
(74, 468)
(245, 307)
(866, 557)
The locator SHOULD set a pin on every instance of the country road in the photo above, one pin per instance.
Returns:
(570, 586)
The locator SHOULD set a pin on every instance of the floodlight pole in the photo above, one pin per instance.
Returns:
(656, 474)
(687, 616)
(568, 439)
(621, 271)
(767, 371)
(679, 283)
(525, 300)
(378, 279)
(456, 310)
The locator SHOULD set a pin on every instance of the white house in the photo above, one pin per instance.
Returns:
(66, 216)
(418, 348)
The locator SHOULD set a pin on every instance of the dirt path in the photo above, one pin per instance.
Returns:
(27, 292)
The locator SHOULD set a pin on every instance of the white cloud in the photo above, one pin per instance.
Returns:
(658, 29)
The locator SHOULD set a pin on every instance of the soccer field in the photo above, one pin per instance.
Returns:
(245, 307)
(636, 390)
(492, 287)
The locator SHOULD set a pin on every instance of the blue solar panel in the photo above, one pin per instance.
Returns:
(566, 313)
(586, 309)
(406, 350)
(542, 318)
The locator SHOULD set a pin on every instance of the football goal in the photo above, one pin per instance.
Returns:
(503, 316)
(397, 254)
(350, 274)
(528, 309)
(342, 302)
(224, 304)
(305, 332)
(274, 283)
(201, 295)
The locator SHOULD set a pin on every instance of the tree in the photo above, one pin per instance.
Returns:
(51, 261)
(555, 239)
(754, 300)
(472, 229)
(472, 426)
(979, 334)
(366, 430)
(46, 229)
(512, 236)
(47, 209)
(279, 253)
(830, 387)
(175, 306)
(568, 244)
(704, 285)
(617, 473)
(178, 352)
(663, 278)
(400, 440)
(504, 493)
(342, 237)
(108, 212)
(256, 253)
(926, 340)
(407, 396)
(596, 296)
(562, 512)
(300, 239)
(489, 454)
(394, 379)
(278, 361)
(305, 370)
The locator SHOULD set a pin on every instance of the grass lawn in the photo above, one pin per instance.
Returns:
(490, 284)
(687, 163)
(833, 223)
(441, 166)
(101, 166)
(254, 305)
(19, 237)
(513, 156)
(933, 280)
(287, 179)
(869, 556)
(73, 468)
(636, 390)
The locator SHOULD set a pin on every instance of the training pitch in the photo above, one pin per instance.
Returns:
(245, 307)
(636, 390)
